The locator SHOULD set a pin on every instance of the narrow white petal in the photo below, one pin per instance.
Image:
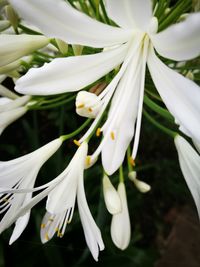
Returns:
(111, 196)
(180, 95)
(120, 224)
(58, 19)
(20, 101)
(70, 74)
(92, 233)
(8, 117)
(130, 14)
(189, 161)
(13, 47)
(6, 92)
(119, 128)
(20, 225)
(180, 41)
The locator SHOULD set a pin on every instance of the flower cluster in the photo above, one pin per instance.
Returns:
(52, 47)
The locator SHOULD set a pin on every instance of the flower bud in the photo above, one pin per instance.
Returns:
(87, 104)
(111, 196)
(120, 224)
(78, 49)
(141, 186)
(4, 24)
(62, 46)
(12, 16)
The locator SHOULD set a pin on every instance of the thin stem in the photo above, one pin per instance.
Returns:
(121, 174)
(158, 125)
(77, 131)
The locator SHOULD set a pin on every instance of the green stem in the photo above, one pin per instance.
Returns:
(158, 125)
(152, 105)
(121, 174)
(77, 131)
(130, 168)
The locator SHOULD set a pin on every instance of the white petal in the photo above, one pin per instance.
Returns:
(20, 101)
(111, 197)
(180, 41)
(59, 19)
(13, 47)
(120, 224)
(92, 233)
(120, 124)
(130, 14)
(180, 95)
(70, 74)
(6, 92)
(6, 118)
(20, 225)
(190, 165)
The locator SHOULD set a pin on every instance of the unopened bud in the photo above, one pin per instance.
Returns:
(78, 49)
(111, 196)
(140, 185)
(62, 46)
(87, 104)
(12, 16)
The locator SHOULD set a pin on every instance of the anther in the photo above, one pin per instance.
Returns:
(43, 225)
(98, 132)
(76, 142)
(47, 237)
(112, 135)
(81, 106)
(132, 162)
(88, 160)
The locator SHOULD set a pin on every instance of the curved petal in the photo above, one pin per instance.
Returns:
(180, 95)
(13, 47)
(20, 101)
(121, 119)
(70, 74)
(91, 230)
(190, 166)
(120, 224)
(180, 41)
(58, 19)
(130, 14)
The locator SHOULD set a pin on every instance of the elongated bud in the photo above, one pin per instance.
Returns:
(13, 47)
(4, 24)
(120, 224)
(77, 49)
(62, 46)
(12, 16)
(7, 93)
(87, 104)
(141, 186)
(111, 196)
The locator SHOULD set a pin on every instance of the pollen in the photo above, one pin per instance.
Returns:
(90, 109)
(47, 237)
(88, 160)
(43, 225)
(112, 135)
(76, 142)
(98, 132)
(81, 106)
(132, 162)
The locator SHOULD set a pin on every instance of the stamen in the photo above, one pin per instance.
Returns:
(98, 132)
(47, 237)
(112, 135)
(90, 109)
(43, 225)
(76, 142)
(88, 160)
(132, 162)
(81, 106)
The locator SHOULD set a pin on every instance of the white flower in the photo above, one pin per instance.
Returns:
(11, 111)
(62, 193)
(87, 104)
(141, 186)
(133, 44)
(18, 174)
(120, 224)
(13, 47)
(111, 196)
(189, 161)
